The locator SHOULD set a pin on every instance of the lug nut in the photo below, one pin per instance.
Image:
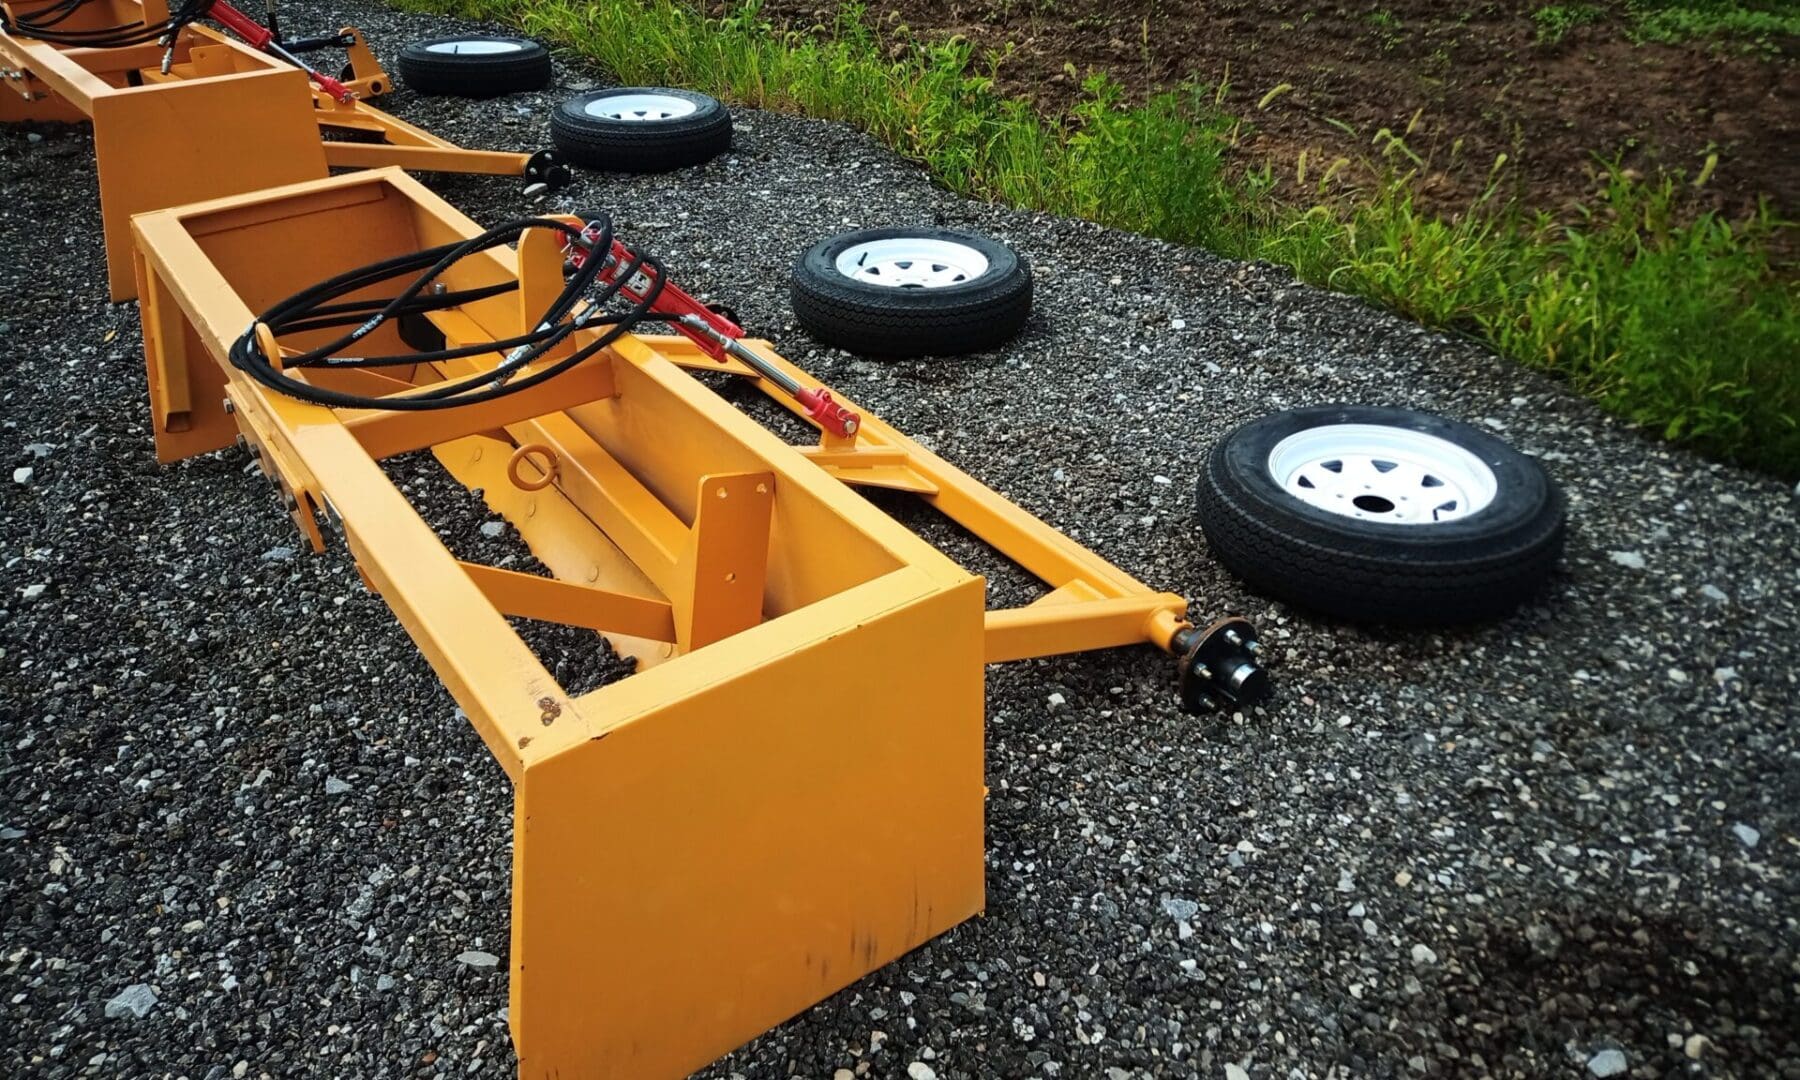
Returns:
(1234, 637)
(1254, 648)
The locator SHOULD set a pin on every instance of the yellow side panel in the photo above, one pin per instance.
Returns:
(48, 109)
(716, 864)
(183, 142)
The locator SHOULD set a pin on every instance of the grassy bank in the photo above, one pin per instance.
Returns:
(1758, 25)
(1678, 323)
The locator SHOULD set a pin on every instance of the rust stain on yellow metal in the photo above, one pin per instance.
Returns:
(804, 733)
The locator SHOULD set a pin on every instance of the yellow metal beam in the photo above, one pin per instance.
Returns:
(444, 157)
(527, 596)
(385, 433)
(508, 696)
(1075, 626)
(1084, 582)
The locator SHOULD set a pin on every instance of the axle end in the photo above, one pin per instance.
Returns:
(1218, 667)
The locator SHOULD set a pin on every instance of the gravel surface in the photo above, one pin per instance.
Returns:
(245, 833)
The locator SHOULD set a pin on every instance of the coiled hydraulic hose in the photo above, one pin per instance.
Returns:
(312, 309)
(43, 24)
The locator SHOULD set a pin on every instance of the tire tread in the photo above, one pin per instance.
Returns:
(1365, 579)
(474, 76)
(874, 321)
(642, 148)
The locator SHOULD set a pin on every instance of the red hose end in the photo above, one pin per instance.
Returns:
(331, 86)
(828, 413)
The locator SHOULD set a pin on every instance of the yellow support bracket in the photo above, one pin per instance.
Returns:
(527, 596)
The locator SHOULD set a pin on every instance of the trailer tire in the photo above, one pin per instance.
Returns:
(911, 292)
(641, 129)
(474, 66)
(1457, 527)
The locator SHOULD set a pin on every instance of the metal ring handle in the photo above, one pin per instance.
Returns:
(525, 453)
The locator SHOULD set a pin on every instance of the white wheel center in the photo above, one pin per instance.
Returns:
(475, 47)
(1377, 473)
(912, 262)
(640, 107)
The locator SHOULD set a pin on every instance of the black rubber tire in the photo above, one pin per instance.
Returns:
(641, 146)
(1468, 569)
(877, 320)
(474, 75)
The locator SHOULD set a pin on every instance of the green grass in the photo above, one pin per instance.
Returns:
(1679, 324)
(1763, 24)
(1556, 20)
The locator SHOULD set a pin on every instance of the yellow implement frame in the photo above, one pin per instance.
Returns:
(225, 119)
(788, 794)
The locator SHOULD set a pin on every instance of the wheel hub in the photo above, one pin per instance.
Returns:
(641, 108)
(1220, 667)
(906, 262)
(472, 48)
(1391, 475)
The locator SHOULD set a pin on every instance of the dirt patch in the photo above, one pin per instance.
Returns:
(1480, 77)
(1571, 979)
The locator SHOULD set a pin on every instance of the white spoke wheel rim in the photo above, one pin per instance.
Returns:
(473, 48)
(911, 262)
(1390, 475)
(640, 108)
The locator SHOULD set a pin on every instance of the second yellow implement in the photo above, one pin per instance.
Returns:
(223, 119)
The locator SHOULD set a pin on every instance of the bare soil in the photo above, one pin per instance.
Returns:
(1478, 77)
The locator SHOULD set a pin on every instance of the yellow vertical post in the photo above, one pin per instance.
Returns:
(720, 575)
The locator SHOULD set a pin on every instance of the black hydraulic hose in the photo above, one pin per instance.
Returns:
(313, 309)
(59, 11)
(43, 25)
